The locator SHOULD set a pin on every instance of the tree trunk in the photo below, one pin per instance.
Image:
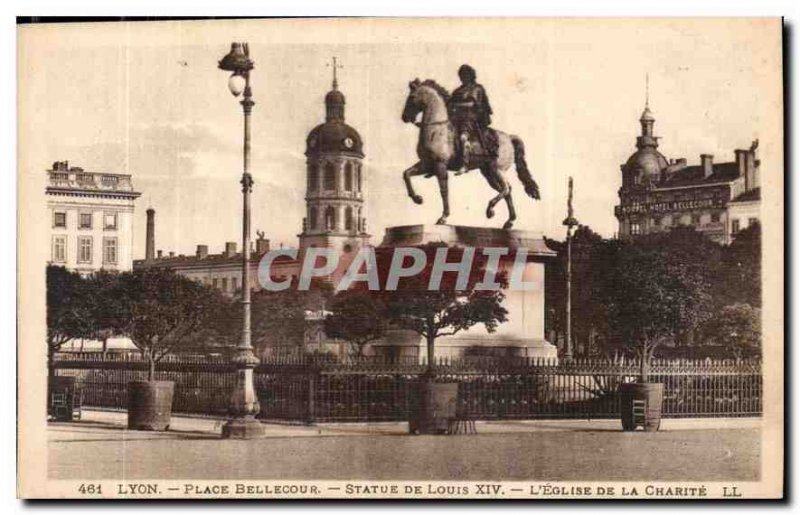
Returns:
(644, 372)
(51, 370)
(431, 340)
(151, 372)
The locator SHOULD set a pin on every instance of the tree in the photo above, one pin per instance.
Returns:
(69, 310)
(160, 311)
(740, 280)
(279, 319)
(738, 328)
(447, 310)
(653, 294)
(102, 286)
(357, 317)
(590, 262)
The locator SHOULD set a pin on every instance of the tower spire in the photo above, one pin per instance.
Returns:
(646, 90)
(334, 100)
(335, 64)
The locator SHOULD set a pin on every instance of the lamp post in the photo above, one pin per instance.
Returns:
(570, 222)
(244, 402)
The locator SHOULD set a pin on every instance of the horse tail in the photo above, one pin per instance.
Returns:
(524, 175)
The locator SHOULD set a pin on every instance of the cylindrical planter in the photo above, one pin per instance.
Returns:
(432, 408)
(652, 395)
(150, 405)
(61, 393)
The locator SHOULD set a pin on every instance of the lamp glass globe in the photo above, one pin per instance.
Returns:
(236, 84)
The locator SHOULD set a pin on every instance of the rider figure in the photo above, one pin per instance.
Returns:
(471, 113)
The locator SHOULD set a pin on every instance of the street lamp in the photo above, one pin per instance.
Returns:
(570, 221)
(244, 402)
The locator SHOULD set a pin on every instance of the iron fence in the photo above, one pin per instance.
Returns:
(325, 389)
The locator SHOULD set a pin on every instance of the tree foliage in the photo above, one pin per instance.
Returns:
(357, 317)
(280, 320)
(447, 310)
(738, 328)
(161, 311)
(652, 295)
(70, 309)
(724, 275)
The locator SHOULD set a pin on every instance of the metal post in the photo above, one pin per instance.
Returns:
(244, 402)
(568, 350)
(570, 222)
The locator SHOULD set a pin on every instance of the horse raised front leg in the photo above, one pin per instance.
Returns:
(441, 176)
(407, 175)
(512, 213)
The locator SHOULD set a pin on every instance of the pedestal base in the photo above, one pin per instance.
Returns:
(243, 429)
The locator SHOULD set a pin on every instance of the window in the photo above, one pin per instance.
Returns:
(348, 219)
(330, 218)
(110, 221)
(85, 221)
(657, 222)
(715, 218)
(636, 228)
(313, 177)
(312, 215)
(84, 249)
(235, 283)
(734, 226)
(695, 219)
(224, 284)
(330, 177)
(751, 222)
(60, 219)
(110, 251)
(348, 177)
(59, 249)
(358, 177)
(215, 282)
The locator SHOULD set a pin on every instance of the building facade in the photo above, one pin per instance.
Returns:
(717, 199)
(91, 219)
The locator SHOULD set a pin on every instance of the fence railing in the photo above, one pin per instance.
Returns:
(321, 388)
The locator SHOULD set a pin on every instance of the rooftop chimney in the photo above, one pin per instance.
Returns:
(707, 162)
(751, 170)
(202, 251)
(230, 248)
(262, 245)
(160, 254)
(150, 243)
(171, 253)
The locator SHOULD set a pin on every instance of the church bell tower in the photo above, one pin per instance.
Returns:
(335, 181)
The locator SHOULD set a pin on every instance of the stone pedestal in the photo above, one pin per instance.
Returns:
(523, 333)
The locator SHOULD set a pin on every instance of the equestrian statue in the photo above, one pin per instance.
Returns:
(455, 136)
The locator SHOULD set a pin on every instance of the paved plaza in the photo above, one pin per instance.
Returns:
(99, 447)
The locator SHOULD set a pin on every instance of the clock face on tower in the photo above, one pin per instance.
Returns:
(348, 142)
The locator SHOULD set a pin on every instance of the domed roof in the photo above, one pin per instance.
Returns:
(334, 137)
(648, 159)
(334, 96)
(647, 115)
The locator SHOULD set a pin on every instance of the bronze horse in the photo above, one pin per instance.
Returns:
(436, 151)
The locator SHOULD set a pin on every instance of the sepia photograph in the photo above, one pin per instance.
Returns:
(410, 258)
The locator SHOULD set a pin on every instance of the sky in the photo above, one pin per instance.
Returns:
(147, 99)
